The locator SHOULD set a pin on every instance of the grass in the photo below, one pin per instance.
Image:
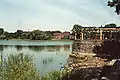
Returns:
(56, 75)
(21, 67)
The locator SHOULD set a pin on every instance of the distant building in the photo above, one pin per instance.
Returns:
(64, 35)
(58, 36)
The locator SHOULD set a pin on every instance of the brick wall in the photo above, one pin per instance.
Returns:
(85, 46)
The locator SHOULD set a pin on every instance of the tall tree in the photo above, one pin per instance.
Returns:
(76, 30)
(116, 4)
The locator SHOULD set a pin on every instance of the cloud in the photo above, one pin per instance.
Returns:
(54, 14)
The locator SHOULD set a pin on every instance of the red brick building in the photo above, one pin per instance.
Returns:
(61, 35)
(58, 36)
(66, 33)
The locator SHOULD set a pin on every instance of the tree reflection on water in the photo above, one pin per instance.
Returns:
(19, 47)
(66, 47)
(36, 48)
(1, 48)
(46, 57)
(51, 48)
(1, 55)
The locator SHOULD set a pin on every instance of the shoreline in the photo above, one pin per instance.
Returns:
(33, 40)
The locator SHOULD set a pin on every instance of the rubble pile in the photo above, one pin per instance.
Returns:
(85, 61)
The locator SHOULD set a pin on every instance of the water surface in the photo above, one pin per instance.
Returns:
(47, 54)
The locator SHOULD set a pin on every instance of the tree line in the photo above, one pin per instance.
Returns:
(41, 35)
(32, 35)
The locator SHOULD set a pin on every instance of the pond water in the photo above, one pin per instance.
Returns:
(47, 55)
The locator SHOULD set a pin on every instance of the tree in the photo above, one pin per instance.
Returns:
(48, 34)
(18, 33)
(116, 4)
(76, 30)
(55, 32)
(40, 35)
(19, 67)
(112, 25)
(37, 32)
(1, 31)
(6, 34)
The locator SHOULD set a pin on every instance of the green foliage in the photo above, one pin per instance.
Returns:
(56, 75)
(66, 37)
(19, 33)
(40, 35)
(48, 35)
(6, 34)
(1, 31)
(37, 32)
(19, 67)
(55, 32)
(112, 25)
(116, 4)
(77, 29)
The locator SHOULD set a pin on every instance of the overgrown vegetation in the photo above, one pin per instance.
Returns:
(18, 67)
(56, 75)
(21, 67)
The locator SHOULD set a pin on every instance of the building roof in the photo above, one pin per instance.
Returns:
(57, 34)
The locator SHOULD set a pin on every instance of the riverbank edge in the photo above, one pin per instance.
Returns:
(33, 40)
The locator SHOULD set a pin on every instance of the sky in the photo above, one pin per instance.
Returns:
(54, 14)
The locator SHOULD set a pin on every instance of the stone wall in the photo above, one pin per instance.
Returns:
(85, 46)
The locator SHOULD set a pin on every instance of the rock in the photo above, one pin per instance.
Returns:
(73, 65)
(76, 65)
(80, 64)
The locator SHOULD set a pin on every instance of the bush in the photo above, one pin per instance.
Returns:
(19, 67)
(56, 75)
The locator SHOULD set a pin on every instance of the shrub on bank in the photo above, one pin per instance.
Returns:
(56, 75)
(18, 67)
(21, 67)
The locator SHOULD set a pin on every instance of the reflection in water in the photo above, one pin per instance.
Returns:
(4, 46)
(46, 58)
(1, 48)
(47, 61)
(19, 47)
(52, 48)
(48, 48)
(36, 48)
(66, 47)
(1, 55)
